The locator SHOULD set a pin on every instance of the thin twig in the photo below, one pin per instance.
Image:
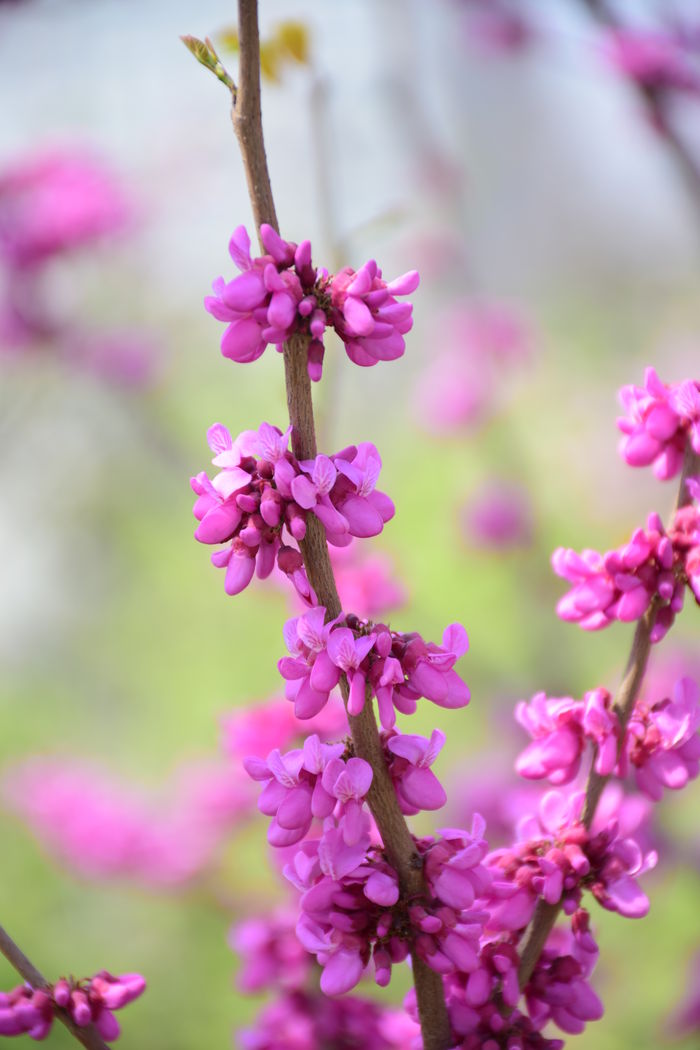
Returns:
(656, 99)
(88, 1035)
(546, 914)
(398, 843)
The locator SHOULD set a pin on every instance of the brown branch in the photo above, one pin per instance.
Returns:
(546, 914)
(398, 843)
(656, 99)
(88, 1035)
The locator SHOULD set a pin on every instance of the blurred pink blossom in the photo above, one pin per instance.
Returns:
(498, 515)
(464, 381)
(54, 201)
(104, 830)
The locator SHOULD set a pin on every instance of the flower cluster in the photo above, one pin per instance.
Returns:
(661, 742)
(55, 202)
(313, 781)
(300, 1020)
(31, 1011)
(557, 858)
(560, 728)
(621, 584)
(281, 293)
(103, 829)
(352, 909)
(397, 668)
(262, 491)
(660, 420)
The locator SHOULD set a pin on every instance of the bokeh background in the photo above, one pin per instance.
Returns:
(558, 240)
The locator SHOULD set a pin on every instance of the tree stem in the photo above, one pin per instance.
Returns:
(88, 1035)
(398, 842)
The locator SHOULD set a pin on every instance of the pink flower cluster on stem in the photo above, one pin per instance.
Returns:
(656, 565)
(660, 420)
(397, 668)
(30, 1011)
(281, 293)
(259, 501)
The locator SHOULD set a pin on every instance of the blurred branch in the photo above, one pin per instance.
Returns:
(656, 99)
(88, 1035)
(546, 914)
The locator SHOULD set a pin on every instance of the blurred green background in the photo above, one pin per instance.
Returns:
(119, 643)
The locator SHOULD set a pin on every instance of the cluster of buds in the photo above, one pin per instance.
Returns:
(621, 584)
(397, 668)
(31, 1011)
(281, 293)
(262, 495)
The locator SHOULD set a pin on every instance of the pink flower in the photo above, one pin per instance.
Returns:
(272, 955)
(620, 584)
(315, 781)
(499, 516)
(366, 582)
(103, 830)
(261, 727)
(398, 669)
(262, 495)
(409, 758)
(54, 202)
(367, 316)
(659, 421)
(465, 378)
(662, 743)
(281, 293)
(560, 727)
(302, 1020)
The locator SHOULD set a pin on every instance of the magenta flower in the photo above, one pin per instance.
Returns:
(272, 955)
(398, 669)
(366, 582)
(352, 911)
(307, 783)
(662, 743)
(557, 858)
(104, 830)
(25, 1010)
(409, 759)
(660, 420)
(301, 1020)
(560, 728)
(367, 316)
(499, 516)
(261, 727)
(558, 990)
(281, 293)
(620, 584)
(55, 202)
(261, 496)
